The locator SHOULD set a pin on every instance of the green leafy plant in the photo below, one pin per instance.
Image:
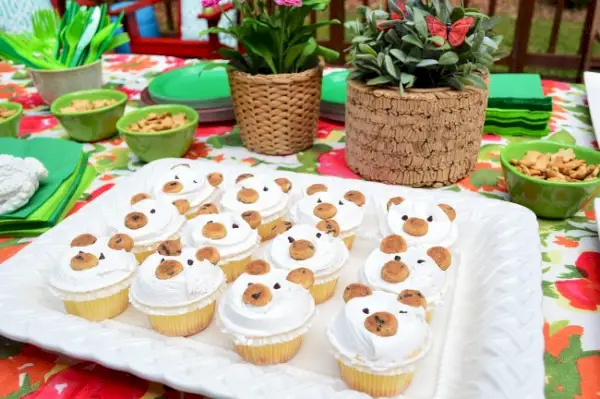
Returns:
(274, 42)
(422, 44)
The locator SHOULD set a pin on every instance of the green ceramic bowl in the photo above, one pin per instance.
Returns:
(9, 127)
(166, 144)
(95, 125)
(548, 199)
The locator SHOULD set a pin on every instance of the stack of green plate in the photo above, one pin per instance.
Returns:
(333, 94)
(68, 176)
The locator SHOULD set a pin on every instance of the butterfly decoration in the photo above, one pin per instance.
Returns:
(402, 6)
(455, 33)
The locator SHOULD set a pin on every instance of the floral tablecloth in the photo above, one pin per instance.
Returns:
(571, 249)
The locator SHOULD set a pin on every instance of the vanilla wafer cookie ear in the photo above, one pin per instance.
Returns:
(302, 276)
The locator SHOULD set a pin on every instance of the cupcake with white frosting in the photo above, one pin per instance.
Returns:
(93, 276)
(148, 222)
(177, 291)
(378, 338)
(394, 267)
(418, 221)
(338, 213)
(267, 312)
(188, 188)
(306, 246)
(226, 237)
(262, 202)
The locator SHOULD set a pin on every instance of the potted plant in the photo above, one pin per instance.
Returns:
(418, 91)
(276, 81)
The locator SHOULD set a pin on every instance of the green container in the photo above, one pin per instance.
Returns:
(89, 126)
(9, 127)
(548, 199)
(155, 145)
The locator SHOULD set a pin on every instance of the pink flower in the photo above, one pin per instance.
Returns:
(210, 3)
(289, 3)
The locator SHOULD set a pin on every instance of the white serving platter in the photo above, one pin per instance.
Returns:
(488, 340)
(592, 88)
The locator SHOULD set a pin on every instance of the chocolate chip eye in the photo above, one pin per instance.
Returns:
(430, 219)
(152, 210)
(235, 226)
(397, 257)
(210, 221)
(190, 262)
(162, 260)
(420, 261)
(340, 202)
(249, 284)
(176, 177)
(403, 311)
(318, 235)
(277, 286)
(265, 188)
(195, 181)
(291, 239)
(101, 256)
(404, 217)
(319, 201)
(366, 310)
(80, 252)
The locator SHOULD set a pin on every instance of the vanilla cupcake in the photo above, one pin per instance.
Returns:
(394, 268)
(267, 312)
(148, 222)
(225, 239)
(306, 246)
(420, 222)
(177, 291)
(262, 202)
(188, 189)
(377, 339)
(337, 213)
(93, 276)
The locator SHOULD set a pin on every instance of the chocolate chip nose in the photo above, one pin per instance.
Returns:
(383, 324)
(416, 227)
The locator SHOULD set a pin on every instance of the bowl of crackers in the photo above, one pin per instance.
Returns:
(90, 115)
(552, 179)
(10, 119)
(159, 131)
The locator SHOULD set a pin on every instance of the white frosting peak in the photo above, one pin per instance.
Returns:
(196, 188)
(271, 199)
(355, 344)
(349, 216)
(291, 307)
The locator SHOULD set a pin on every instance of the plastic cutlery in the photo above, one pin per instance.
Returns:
(74, 32)
(97, 41)
(87, 36)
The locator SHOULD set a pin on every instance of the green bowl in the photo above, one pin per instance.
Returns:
(548, 199)
(155, 145)
(9, 127)
(89, 126)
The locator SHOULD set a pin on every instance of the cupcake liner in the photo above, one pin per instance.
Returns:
(349, 241)
(323, 291)
(271, 353)
(376, 385)
(186, 324)
(100, 308)
(178, 310)
(235, 268)
(93, 295)
(265, 230)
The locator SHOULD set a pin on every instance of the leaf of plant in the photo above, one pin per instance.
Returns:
(400, 89)
(255, 45)
(391, 36)
(231, 54)
(437, 6)
(360, 39)
(454, 83)
(448, 58)
(309, 49)
(412, 39)
(355, 75)
(380, 80)
(437, 40)
(291, 54)
(380, 59)
(414, 55)
(490, 42)
(369, 57)
(407, 79)
(488, 23)
(427, 62)
(365, 48)
(398, 54)
(328, 54)
(484, 58)
(477, 81)
(457, 14)
(420, 24)
(390, 67)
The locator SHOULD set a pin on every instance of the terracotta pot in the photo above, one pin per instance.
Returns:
(427, 137)
(277, 114)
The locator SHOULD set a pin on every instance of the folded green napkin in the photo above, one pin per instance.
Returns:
(533, 125)
(515, 131)
(511, 114)
(334, 87)
(59, 156)
(518, 91)
(35, 229)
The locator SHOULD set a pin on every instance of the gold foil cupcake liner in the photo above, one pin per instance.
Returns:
(101, 308)
(270, 353)
(376, 385)
(186, 324)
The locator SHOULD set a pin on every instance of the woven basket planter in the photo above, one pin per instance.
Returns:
(277, 114)
(423, 138)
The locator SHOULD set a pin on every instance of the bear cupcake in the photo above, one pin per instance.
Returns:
(338, 213)
(306, 246)
(267, 312)
(262, 202)
(93, 276)
(377, 339)
(394, 267)
(188, 189)
(148, 222)
(419, 222)
(225, 238)
(177, 291)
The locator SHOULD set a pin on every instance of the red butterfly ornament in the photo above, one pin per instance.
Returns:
(455, 33)
(402, 6)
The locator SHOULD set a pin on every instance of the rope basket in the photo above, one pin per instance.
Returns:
(421, 139)
(277, 114)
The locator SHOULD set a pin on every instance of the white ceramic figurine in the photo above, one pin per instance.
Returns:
(19, 180)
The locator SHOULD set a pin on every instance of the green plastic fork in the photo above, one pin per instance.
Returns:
(74, 32)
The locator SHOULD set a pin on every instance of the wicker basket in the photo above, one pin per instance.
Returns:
(423, 138)
(277, 114)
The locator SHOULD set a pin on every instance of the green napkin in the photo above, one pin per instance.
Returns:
(522, 91)
(59, 156)
(521, 114)
(334, 87)
(36, 229)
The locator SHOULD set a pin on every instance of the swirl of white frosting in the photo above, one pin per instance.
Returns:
(196, 188)
(291, 308)
(164, 222)
(113, 267)
(358, 346)
(424, 274)
(271, 202)
(330, 252)
(349, 216)
(198, 280)
(240, 238)
(441, 230)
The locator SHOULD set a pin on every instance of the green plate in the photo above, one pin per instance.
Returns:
(188, 85)
(334, 87)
